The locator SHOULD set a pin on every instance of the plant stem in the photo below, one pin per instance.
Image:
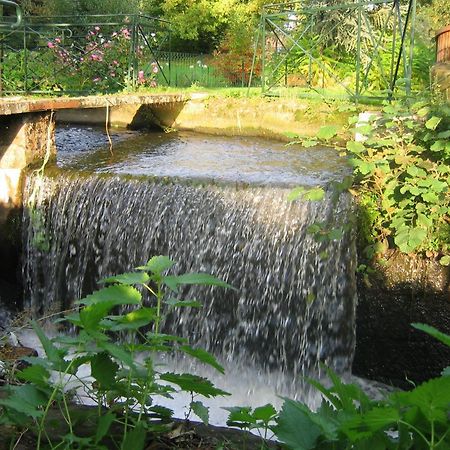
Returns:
(49, 404)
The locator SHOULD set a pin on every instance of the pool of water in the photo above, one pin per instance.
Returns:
(197, 156)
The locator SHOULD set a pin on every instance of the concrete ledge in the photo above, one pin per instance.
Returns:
(19, 105)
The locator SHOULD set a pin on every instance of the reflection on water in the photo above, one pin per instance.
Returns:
(196, 156)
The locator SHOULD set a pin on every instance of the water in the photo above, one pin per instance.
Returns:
(188, 155)
(295, 301)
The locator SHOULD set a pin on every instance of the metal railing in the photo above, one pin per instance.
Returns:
(352, 50)
(100, 53)
(103, 54)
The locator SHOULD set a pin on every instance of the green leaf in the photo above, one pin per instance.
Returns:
(36, 374)
(157, 264)
(114, 295)
(438, 146)
(422, 112)
(201, 411)
(104, 370)
(375, 419)
(54, 354)
(26, 399)
(327, 132)
(134, 319)
(432, 398)
(204, 279)
(128, 278)
(424, 220)
(240, 416)
(365, 130)
(432, 123)
(193, 383)
(92, 315)
(444, 338)
(161, 338)
(203, 356)
(444, 134)
(265, 413)
(355, 147)
(445, 260)
(409, 239)
(295, 428)
(135, 439)
(308, 143)
(103, 425)
(295, 193)
(173, 302)
(430, 197)
(118, 352)
(315, 194)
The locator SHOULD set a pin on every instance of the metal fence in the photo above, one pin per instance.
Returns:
(351, 50)
(103, 53)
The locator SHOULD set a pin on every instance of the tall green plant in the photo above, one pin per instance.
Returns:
(124, 378)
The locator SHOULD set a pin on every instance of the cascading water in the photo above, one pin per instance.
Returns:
(294, 304)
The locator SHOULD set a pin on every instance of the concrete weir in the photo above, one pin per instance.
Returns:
(27, 127)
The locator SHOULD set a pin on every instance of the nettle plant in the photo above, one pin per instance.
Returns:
(349, 419)
(124, 377)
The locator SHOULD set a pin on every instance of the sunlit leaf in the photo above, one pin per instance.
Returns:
(157, 264)
(432, 123)
(128, 278)
(115, 295)
(327, 132)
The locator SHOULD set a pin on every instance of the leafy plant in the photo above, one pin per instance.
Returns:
(347, 418)
(124, 378)
(261, 418)
(403, 159)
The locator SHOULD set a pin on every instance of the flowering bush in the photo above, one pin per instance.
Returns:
(101, 61)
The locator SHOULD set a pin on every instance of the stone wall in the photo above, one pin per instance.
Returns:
(24, 139)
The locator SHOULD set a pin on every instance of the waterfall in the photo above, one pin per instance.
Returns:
(294, 305)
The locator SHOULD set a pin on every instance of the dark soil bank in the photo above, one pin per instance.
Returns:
(404, 291)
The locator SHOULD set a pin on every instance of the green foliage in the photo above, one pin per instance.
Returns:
(124, 379)
(401, 169)
(347, 418)
(261, 419)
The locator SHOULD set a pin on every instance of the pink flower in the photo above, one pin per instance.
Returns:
(50, 44)
(97, 56)
(153, 83)
(97, 28)
(96, 80)
(141, 77)
(115, 62)
(155, 69)
(58, 40)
